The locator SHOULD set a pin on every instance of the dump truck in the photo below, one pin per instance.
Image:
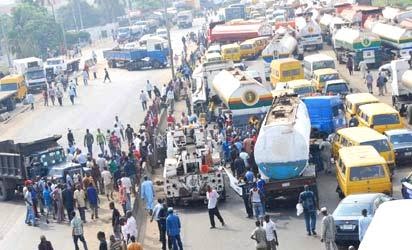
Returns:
(153, 55)
(20, 162)
(32, 70)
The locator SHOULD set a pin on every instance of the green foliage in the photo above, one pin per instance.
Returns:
(33, 31)
(394, 3)
(73, 38)
(149, 4)
(91, 15)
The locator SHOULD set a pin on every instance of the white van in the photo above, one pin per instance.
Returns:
(390, 227)
(317, 61)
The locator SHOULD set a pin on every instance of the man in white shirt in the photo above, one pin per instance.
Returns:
(119, 124)
(212, 198)
(155, 215)
(149, 89)
(245, 157)
(131, 224)
(101, 162)
(108, 183)
(127, 183)
(271, 235)
(79, 198)
(364, 224)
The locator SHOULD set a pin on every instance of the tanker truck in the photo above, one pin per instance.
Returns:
(362, 46)
(309, 34)
(282, 149)
(396, 41)
(285, 47)
(402, 88)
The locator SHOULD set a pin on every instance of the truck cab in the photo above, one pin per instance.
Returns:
(32, 70)
(185, 19)
(336, 87)
(14, 83)
(58, 65)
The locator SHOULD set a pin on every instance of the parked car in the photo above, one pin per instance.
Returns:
(406, 188)
(401, 140)
(348, 212)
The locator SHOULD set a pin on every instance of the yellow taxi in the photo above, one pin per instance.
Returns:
(231, 52)
(379, 116)
(321, 76)
(360, 136)
(353, 101)
(360, 169)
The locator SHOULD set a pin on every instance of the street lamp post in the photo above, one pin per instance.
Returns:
(172, 66)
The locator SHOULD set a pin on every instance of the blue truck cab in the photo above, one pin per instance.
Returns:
(326, 114)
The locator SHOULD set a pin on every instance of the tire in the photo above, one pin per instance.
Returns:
(340, 193)
(156, 65)
(4, 192)
(409, 114)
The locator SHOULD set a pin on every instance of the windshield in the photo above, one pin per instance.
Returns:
(52, 158)
(337, 88)
(123, 30)
(401, 138)
(304, 90)
(328, 77)
(32, 75)
(56, 172)
(351, 209)
(291, 73)
(366, 172)
(54, 62)
(379, 145)
(323, 65)
(232, 50)
(386, 119)
(246, 46)
(8, 86)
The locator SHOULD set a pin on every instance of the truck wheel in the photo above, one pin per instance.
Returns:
(409, 114)
(156, 65)
(4, 192)
(340, 193)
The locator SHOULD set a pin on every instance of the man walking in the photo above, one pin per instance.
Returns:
(259, 235)
(328, 230)
(115, 220)
(349, 65)
(70, 138)
(380, 83)
(68, 202)
(79, 199)
(101, 140)
(369, 82)
(212, 198)
(72, 94)
(106, 76)
(149, 89)
(108, 183)
(85, 77)
(271, 235)
(143, 99)
(120, 127)
(325, 154)
(155, 216)
(77, 231)
(93, 199)
(173, 229)
(129, 134)
(308, 200)
(364, 224)
(148, 194)
(256, 198)
(88, 141)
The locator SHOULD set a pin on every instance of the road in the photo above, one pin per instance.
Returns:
(95, 107)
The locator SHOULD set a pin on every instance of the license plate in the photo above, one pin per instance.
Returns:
(286, 184)
(347, 227)
(408, 153)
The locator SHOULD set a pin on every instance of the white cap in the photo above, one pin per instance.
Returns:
(323, 209)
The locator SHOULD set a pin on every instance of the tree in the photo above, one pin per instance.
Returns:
(149, 4)
(33, 31)
(92, 14)
(110, 9)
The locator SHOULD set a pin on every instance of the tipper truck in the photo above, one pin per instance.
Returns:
(362, 46)
(282, 149)
(23, 161)
(32, 70)
(402, 88)
(153, 55)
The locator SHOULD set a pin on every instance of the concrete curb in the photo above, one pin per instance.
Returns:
(13, 115)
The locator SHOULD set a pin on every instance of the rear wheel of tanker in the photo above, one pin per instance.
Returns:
(4, 192)
(409, 114)
(340, 193)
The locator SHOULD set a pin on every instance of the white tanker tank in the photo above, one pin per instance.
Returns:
(309, 33)
(282, 147)
(402, 87)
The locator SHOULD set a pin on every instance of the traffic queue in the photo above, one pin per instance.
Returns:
(306, 116)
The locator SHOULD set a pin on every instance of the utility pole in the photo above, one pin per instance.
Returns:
(166, 20)
(6, 44)
(80, 14)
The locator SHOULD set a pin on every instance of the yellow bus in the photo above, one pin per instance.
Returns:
(231, 52)
(285, 70)
(353, 101)
(379, 116)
